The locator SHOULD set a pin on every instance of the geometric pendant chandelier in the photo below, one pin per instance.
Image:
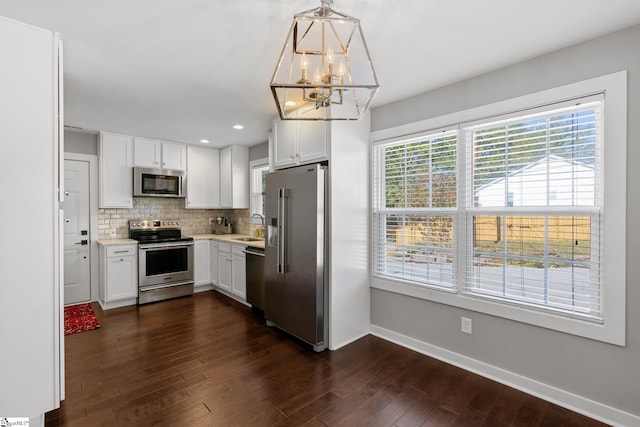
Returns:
(324, 71)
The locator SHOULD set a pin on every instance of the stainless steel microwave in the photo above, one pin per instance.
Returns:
(158, 182)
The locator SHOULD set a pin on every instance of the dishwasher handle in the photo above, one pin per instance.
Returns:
(250, 252)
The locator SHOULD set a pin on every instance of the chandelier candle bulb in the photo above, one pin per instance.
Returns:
(303, 66)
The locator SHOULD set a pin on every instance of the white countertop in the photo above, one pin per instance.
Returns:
(229, 238)
(109, 242)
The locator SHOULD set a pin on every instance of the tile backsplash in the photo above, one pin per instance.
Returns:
(114, 223)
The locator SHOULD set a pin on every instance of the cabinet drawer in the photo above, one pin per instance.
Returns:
(118, 251)
(238, 249)
(224, 247)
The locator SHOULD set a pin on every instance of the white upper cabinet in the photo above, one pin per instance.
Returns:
(116, 174)
(234, 177)
(151, 153)
(298, 142)
(203, 178)
(148, 153)
(174, 156)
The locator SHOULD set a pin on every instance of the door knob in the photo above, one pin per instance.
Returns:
(66, 193)
(67, 220)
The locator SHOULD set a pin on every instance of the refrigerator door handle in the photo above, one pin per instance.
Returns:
(282, 225)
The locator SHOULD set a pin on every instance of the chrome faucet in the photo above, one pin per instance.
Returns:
(261, 220)
(259, 216)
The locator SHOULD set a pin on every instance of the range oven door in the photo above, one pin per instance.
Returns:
(165, 263)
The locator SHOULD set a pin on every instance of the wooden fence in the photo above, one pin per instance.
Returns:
(492, 228)
(531, 228)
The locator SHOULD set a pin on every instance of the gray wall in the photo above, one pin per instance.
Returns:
(80, 143)
(606, 373)
(259, 151)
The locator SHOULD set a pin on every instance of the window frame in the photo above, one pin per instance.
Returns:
(613, 185)
(253, 209)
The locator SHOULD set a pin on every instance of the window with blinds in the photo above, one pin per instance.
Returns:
(506, 209)
(534, 216)
(417, 209)
(259, 172)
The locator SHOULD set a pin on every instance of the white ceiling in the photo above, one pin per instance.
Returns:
(190, 69)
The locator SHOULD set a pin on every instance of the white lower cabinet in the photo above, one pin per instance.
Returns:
(118, 275)
(201, 267)
(239, 275)
(227, 268)
(213, 266)
(224, 266)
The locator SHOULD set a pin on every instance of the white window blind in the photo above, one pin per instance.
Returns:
(506, 209)
(258, 182)
(534, 214)
(416, 210)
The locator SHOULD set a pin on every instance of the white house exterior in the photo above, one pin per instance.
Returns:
(551, 181)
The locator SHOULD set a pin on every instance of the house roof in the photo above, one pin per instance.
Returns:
(551, 159)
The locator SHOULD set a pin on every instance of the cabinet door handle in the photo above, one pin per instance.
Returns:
(121, 252)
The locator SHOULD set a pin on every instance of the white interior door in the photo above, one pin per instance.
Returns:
(77, 254)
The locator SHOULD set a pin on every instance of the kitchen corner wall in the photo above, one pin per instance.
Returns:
(114, 223)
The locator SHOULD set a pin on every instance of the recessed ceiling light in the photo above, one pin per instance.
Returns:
(290, 103)
(238, 126)
(204, 141)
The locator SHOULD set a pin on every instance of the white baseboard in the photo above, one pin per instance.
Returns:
(202, 288)
(117, 304)
(574, 402)
(333, 346)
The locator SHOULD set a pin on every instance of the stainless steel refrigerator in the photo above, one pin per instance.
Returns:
(295, 272)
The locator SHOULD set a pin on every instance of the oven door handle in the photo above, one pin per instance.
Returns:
(165, 245)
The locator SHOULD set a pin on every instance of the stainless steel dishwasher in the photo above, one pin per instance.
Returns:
(255, 276)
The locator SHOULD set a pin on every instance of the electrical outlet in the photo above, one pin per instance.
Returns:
(467, 326)
(113, 232)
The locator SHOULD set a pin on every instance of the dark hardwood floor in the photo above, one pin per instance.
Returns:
(209, 361)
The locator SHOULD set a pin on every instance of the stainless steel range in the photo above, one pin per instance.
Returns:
(165, 259)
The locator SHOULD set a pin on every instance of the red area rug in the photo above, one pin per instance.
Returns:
(79, 318)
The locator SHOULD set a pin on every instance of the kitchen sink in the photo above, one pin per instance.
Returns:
(248, 239)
